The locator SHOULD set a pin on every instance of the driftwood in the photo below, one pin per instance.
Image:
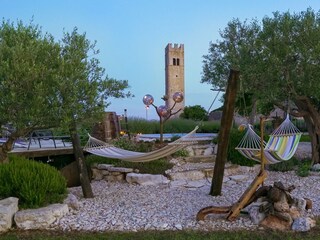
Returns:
(277, 202)
(249, 196)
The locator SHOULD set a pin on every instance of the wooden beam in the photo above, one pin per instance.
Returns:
(224, 132)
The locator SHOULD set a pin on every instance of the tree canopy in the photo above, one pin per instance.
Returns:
(29, 63)
(279, 63)
(45, 83)
(196, 113)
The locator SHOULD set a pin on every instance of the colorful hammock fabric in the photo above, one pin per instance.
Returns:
(100, 148)
(281, 146)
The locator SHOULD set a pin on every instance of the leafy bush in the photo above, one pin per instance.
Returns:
(284, 166)
(304, 168)
(125, 143)
(196, 113)
(35, 184)
(181, 153)
(305, 138)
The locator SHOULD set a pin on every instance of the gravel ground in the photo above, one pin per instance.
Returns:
(121, 206)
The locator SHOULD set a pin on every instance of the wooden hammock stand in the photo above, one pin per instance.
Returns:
(249, 196)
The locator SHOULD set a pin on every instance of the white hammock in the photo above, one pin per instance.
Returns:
(282, 144)
(100, 148)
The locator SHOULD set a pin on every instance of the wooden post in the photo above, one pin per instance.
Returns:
(262, 159)
(79, 156)
(223, 138)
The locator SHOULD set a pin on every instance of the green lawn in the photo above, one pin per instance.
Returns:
(167, 235)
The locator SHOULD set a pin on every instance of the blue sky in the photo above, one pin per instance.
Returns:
(132, 36)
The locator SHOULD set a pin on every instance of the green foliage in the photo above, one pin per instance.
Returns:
(140, 125)
(305, 138)
(175, 125)
(125, 143)
(196, 113)
(83, 87)
(304, 168)
(233, 155)
(284, 166)
(50, 83)
(278, 58)
(35, 184)
(29, 67)
(209, 127)
(181, 153)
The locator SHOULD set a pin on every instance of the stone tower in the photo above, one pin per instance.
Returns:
(174, 62)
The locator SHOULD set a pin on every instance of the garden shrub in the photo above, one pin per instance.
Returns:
(35, 184)
(284, 166)
(304, 168)
(181, 153)
(305, 138)
(125, 143)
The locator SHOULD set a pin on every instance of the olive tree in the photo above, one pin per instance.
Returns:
(44, 83)
(279, 63)
(83, 91)
(29, 68)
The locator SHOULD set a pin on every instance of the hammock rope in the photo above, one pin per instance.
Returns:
(281, 146)
(100, 148)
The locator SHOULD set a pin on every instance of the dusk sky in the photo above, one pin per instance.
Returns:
(132, 35)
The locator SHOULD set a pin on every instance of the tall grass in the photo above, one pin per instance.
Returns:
(175, 125)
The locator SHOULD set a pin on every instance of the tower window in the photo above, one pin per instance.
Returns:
(178, 61)
(174, 62)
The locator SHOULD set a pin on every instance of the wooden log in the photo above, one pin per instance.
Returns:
(212, 210)
(250, 195)
(246, 196)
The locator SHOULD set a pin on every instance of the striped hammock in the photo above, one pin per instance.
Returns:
(281, 146)
(100, 148)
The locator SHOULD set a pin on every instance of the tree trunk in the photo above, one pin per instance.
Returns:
(312, 119)
(161, 130)
(78, 153)
(315, 138)
(253, 113)
(223, 138)
(5, 148)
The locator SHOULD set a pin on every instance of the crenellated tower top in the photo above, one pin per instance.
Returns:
(171, 46)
